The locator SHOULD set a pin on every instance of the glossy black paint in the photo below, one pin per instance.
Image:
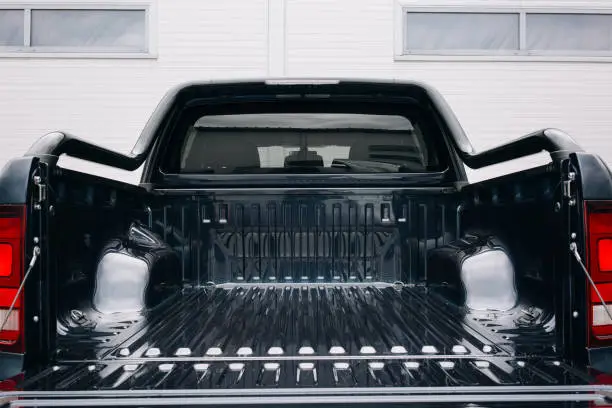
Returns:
(293, 235)
(593, 177)
(520, 210)
(321, 181)
(15, 180)
(593, 183)
(252, 336)
(246, 256)
(16, 188)
(554, 141)
(38, 310)
(55, 144)
(255, 91)
(557, 143)
(158, 127)
(83, 213)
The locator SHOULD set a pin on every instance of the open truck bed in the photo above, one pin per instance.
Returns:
(262, 300)
(221, 280)
(300, 335)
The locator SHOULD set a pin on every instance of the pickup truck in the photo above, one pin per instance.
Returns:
(311, 242)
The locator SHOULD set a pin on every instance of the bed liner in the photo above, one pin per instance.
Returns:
(305, 335)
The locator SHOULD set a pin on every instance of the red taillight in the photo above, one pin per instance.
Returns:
(604, 249)
(12, 231)
(6, 260)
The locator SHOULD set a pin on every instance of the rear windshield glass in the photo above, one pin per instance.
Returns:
(306, 142)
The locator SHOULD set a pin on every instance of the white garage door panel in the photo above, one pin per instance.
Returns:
(109, 100)
(213, 35)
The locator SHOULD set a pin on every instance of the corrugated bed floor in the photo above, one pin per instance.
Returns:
(293, 321)
(295, 336)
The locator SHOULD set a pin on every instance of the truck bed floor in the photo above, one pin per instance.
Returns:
(302, 336)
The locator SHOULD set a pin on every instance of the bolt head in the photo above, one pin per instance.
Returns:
(575, 314)
(35, 319)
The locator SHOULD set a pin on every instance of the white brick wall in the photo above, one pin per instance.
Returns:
(108, 101)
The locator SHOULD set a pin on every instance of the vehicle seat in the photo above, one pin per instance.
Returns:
(219, 152)
(303, 157)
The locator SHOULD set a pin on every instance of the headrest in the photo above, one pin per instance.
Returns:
(304, 157)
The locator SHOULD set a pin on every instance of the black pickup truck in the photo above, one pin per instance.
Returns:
(311, 242)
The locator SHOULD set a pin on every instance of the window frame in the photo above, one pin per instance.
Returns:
(522, 54)
(27, 51)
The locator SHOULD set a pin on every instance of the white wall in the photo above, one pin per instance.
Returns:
(108, 101)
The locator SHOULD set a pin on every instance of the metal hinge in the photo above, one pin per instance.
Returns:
(567, 188)
(41, 192)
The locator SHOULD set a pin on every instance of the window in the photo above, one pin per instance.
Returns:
(461, 32)
(569, 32)
(11, 27)
(510, 33)
(328, 143)
(74, 30)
